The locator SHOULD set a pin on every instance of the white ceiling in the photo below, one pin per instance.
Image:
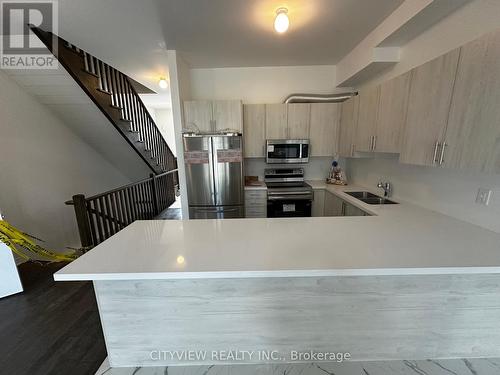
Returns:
(229, 33)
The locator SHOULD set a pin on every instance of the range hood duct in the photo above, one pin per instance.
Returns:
(319, 98)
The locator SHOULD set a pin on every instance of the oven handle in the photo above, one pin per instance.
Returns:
(304, 197)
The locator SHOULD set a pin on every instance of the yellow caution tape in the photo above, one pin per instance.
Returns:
(23, 245)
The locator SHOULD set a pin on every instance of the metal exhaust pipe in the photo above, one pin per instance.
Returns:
(319, 98)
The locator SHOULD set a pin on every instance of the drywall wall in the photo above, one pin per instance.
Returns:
(164, 120)
(180, 90)
(462, 26)
(261, 84)
(449, 191)
(42, 165)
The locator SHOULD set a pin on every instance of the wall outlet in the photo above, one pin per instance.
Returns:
(483, 196)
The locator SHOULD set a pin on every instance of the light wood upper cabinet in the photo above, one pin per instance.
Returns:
(228, 114)
(298, 120)
(324, 128)
(392, 113)
(254, 125)
(348, 124)
(211, 116)
(198, 113)
(428, 109)
(367, 118)
(276, 121)
(473, 133)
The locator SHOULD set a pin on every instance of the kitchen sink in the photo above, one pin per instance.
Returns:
(369, 198)
(361, 194)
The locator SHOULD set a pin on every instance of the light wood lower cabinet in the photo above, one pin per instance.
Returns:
(428, 107)
(333, 205)
(318, 204)
(255, 203)
(351, 210)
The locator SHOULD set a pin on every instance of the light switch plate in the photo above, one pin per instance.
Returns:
(483, 196)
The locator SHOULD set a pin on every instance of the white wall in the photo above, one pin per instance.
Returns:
(164, 120)
(42, 165)
(261, 84)
(180, 91)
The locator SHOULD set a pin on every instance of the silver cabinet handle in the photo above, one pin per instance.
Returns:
(352, 149)
(371, 143)
(443, 148)
(374, 143)
(436, 148)
(342, 211)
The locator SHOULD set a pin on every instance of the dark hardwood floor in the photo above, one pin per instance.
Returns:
(50, 328)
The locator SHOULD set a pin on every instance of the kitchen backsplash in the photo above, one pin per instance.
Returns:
(316, 169)
(449, 191)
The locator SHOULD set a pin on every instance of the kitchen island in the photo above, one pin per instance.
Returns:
(405, 283)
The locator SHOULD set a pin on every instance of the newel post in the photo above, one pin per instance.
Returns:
(154, 188)
(82, 219)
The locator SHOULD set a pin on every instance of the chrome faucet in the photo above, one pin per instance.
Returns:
(387, 188)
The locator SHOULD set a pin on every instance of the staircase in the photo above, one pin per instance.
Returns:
(113, 93)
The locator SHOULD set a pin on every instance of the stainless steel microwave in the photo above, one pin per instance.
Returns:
(280, 151)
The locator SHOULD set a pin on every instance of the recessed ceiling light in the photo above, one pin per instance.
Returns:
(281, 22)
(163, 83)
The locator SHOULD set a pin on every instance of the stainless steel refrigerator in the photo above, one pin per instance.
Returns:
(214, 176)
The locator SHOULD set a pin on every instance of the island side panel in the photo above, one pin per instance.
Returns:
(370, 317)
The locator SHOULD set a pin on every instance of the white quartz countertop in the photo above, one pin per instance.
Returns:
(401, 239)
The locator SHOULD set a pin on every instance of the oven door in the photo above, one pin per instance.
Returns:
(285, 151)
(289, 208)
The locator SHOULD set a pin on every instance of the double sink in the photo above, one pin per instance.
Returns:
(369, 198)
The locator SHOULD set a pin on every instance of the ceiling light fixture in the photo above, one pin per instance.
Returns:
(163, 83)
(281, 22)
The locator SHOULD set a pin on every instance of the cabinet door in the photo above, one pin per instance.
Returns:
(298, 121)
(318, 204)
(351, 210)
(367, 118)
(276, 121)
(348, 123)
(324, 128)
(254, 130)
(428, 108)
(392, 113)
(473, 132)
(333, 205)
(198, 113)
(228, 114)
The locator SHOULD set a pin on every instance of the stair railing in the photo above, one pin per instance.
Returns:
(102, 215)
(114, 94)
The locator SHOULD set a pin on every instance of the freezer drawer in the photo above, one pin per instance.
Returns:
(219, 212)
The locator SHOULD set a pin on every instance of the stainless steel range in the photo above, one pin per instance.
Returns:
(287, 193)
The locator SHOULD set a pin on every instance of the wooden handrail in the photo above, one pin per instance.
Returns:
(102, 215)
